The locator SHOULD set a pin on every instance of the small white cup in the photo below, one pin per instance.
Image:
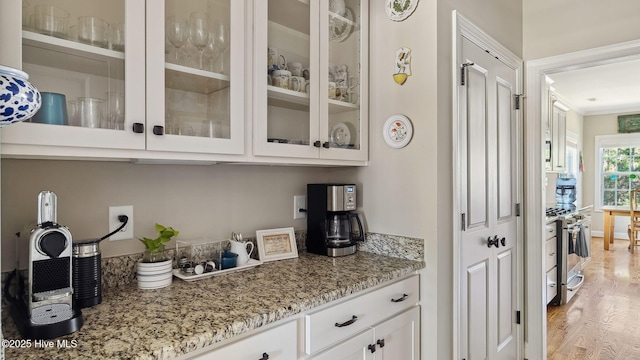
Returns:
(276, 60)
(297, 83)
(332, 90)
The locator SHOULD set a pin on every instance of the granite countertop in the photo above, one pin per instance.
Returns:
(165, 323)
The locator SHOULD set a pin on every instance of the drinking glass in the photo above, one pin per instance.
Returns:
(176, 32)
(199, 32)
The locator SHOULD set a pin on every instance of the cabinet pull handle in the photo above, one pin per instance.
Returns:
(380, 342)
(372, 348)
(552, 285)
(325, 145)
(552, 254)
(347, 323)
(317, 143)
(138, 128)
(403, 298)
(158, 130)
(493, 241)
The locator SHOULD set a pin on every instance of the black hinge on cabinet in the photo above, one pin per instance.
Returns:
(517, 100)
(518, 209)
(518, 317)
(463, 221)
(462, 71)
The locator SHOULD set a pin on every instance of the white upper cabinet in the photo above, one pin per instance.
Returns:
(311, 79)
(195, 76)
(83, 60)
(111, 83)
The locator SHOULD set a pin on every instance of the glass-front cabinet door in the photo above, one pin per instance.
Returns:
(84, 58)
(195, 74)
(310, 79)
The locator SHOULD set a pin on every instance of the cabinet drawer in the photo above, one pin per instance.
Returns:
(336, 323)
(551, 253)
(551, 230)
(552, 284)
(278, 343)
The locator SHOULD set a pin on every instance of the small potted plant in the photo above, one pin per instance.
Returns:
(154, 251)
(155, 269)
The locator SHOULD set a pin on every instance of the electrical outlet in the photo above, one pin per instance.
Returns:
(114, 223)
(299, 202)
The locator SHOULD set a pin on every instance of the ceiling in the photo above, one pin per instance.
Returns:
(604, 89)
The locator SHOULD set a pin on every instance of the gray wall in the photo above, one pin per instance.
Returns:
(554, 27)
(199, 201)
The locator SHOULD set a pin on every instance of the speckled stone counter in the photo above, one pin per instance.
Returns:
(165, 323)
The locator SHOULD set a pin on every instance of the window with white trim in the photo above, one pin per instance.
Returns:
(618, 168)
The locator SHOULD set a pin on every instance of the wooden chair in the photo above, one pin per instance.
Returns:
(634, 223)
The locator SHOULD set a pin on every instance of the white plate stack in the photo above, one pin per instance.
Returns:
(154, 275)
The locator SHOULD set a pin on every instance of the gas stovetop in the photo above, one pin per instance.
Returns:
(560, 211)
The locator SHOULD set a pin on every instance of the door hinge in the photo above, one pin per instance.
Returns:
(463, 221)
(518, 97)
(518, 317)
(518, 209)
(462, 71)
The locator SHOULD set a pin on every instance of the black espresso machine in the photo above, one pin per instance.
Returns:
(45, 309)
(330, 219)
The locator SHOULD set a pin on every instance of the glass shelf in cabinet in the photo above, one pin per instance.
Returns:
(336, 106)
(69, 55)
(189, 79)
(289, 99)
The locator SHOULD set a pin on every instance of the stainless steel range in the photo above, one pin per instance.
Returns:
(573, 249)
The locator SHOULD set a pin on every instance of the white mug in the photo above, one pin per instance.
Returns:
(295, 68)
(280, 78)
(297, 83)
(276, 60)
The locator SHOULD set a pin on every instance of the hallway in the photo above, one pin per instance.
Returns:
(603, 320)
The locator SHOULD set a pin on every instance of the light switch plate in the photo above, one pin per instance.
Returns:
(299, 202)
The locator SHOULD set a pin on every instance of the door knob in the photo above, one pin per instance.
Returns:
(492, 241)
(503, 241)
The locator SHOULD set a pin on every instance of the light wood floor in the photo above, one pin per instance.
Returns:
(603, 320)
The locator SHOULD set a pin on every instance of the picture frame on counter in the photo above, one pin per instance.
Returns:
(276, 244)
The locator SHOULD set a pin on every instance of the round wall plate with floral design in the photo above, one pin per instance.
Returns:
(397, 131)
(398, 10)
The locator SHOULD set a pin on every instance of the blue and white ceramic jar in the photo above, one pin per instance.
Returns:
(19, 99)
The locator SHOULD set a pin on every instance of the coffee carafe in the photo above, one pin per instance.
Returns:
(333, 226)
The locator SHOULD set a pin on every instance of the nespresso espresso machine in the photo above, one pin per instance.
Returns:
(46, 310)
(330, 214)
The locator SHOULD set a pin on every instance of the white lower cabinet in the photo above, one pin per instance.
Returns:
(380, 324)
(395, 339)
(275, 343)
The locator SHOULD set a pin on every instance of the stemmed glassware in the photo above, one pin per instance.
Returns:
(177, 32)
(199, 32)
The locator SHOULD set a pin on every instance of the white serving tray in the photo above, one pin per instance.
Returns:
(250, 264)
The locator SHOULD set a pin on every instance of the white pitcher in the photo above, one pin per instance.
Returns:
(240, 248)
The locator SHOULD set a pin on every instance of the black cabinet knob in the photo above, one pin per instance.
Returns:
(158, 130)
(317, 143)
(325, 145)
(265, 356)
(138, 128)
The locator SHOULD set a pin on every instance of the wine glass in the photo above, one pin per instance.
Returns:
(222, 36)
(176, 31)
(212, 52)
(199, 32)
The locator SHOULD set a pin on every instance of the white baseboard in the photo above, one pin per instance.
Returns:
(618, 235)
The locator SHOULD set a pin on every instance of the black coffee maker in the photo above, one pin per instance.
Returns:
(45, 309)
(331, 218)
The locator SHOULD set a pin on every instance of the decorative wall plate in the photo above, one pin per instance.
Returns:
(397, 131)
(398, 10)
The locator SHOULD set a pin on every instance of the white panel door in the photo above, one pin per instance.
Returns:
(358, 347)
(399, 338)
(488, 144)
